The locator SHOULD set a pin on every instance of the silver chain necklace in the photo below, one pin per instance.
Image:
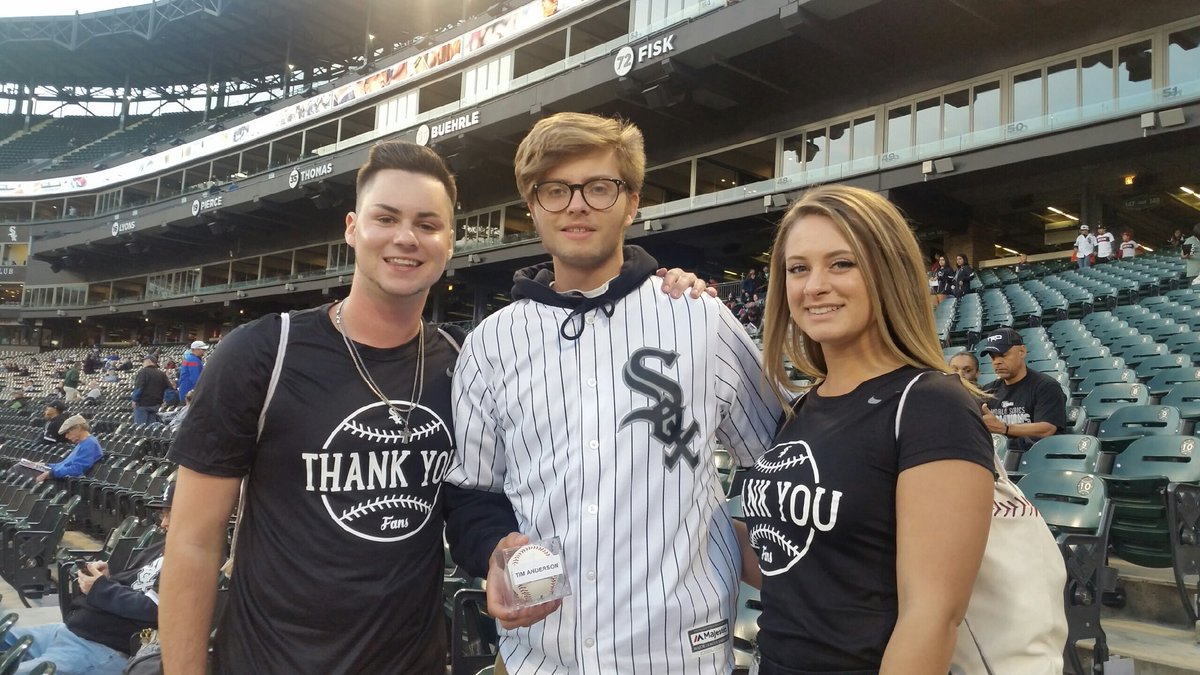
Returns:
(399, 413)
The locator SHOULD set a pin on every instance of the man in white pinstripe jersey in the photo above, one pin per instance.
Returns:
(594, 402)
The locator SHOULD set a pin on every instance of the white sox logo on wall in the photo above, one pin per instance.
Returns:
(666, 417)
(373, 484)
(195, 207)
(795, 506)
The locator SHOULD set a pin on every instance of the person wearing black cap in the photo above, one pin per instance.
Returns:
(1026, 405)
(113, 606)
(150, 385)
(54, 418)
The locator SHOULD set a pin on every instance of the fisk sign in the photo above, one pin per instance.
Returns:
(628, 57)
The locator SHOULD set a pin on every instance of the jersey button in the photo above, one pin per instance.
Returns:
(593, 444)
(592, 509)
(591, 381)
(591, 575)
(589, 643)
(591, 319)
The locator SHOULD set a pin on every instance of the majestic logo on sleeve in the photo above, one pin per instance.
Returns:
(666, 417)
(375, 481)
(788, 507)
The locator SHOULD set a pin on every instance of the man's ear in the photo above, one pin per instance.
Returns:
(351, 228)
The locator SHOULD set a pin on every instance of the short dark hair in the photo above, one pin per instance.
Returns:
(405, 156)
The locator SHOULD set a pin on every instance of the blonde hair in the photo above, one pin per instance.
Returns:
(564, 136)
(891, 263)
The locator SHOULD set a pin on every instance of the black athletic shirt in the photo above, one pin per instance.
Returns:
(340, 557)
(1037, 397)
(821, 510)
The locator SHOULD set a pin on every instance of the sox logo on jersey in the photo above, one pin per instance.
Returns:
(667, 416)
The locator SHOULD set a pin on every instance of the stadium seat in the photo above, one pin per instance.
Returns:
(1077, 420)
(1128, 423)
(1063, 452)
(1047, 365)
(12, 658)
(1155, 488)
(1166, 379)
(1092, 365)
(1106, 398)
(1177, 342)
(1098, 378)
(1075, 505)
(1185, 397)
(1122, 345)
(1135, 355)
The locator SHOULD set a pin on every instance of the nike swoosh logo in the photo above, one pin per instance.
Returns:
(874, 400)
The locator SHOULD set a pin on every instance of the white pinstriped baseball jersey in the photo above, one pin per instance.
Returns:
(606, 442)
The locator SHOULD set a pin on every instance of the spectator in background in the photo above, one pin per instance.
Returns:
(1191, 253)
(178, 416)
(1129, 247)
(966, 365)
(94, 394)
(149, 390)
(86, 453)
(943, 274)
(1175, 242)
(18, 402)
(1022, 264)
(749, 285)
(1104, 244)
(113, 605)
(1026, 405)
(191, 367)
(963, 276)
(70, 383)
(1085, 247)
(54, 418)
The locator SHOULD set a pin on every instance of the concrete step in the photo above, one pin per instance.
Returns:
(1150, 595)
(1140, 648)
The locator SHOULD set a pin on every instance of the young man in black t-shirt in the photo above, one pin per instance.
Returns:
(339, 556)
(1026, 405)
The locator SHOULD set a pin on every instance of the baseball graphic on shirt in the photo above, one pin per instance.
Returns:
(380, 471)
(533, 572)
(807, 507)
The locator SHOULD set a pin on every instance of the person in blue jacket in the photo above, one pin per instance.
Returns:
(86, 453)
(115, 605)
(191, 367)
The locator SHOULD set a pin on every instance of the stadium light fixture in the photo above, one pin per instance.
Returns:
(1062, 213)
(148, 150)
(262, 109)
(216, 126)
(99, 166)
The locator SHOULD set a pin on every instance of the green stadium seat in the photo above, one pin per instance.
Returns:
(1064, 452)
(1077, 420)
(1185, 397)
(1098, 378)
(1070, 501)
(1155, 488)
(1131, 422)
(1135, 355)
(1106, 398)
(1168, 378)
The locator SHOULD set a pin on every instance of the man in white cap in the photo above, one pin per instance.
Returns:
(1085, 246)
(191, 367)
(86, 453)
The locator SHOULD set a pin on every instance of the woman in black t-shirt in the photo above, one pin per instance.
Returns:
(868, 527)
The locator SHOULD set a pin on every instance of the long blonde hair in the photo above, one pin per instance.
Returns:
(890, 261)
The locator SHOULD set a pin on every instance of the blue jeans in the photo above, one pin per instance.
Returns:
(72, 654)
(1083, 261)
(144, 414)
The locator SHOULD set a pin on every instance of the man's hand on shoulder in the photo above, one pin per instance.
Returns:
(677, 282)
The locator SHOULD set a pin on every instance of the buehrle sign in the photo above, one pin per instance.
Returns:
(303, 175)
(628, 57)
(427, 133)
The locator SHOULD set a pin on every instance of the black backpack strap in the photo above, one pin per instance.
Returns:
(453, 334)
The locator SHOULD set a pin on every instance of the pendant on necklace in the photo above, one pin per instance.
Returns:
(405, 434)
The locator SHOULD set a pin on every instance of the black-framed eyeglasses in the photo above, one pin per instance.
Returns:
(598, 193)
